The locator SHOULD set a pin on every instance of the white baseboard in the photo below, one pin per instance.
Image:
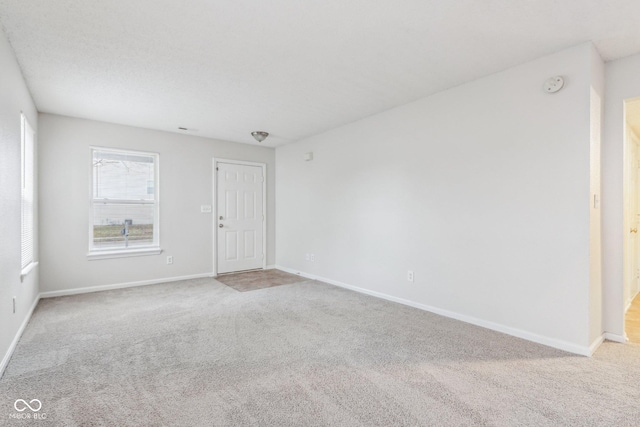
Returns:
(551, 342)
(628, 306)
(76, 291)
(595, 344)
(614, 337)
(14, 343)
(270, 267)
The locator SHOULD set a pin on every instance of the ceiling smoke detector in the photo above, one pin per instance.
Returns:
(553, 84)
(260, 135)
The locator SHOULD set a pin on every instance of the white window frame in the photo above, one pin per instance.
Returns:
(27, 191)
(153, 248)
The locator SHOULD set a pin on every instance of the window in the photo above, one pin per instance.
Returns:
(28, 196)
(124, 203)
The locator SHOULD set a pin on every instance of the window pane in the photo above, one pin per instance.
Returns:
(122, 176)
(28, 175)
(109, 225)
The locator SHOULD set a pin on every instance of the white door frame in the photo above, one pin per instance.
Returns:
(215, 208)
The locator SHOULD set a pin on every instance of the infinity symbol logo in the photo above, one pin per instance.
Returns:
(27, 405)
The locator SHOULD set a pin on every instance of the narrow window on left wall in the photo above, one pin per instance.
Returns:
(124, 208)
(27, 180)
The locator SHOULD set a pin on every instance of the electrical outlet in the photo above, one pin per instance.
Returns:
(170, 259)
(14, 305)
(307, 257)
(313, 257)
(410, 276)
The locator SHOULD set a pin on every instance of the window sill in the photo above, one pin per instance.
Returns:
(28, 269)
(95, 255)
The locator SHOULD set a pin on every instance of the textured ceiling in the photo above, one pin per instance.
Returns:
(223, 68)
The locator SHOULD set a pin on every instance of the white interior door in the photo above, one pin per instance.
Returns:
(635, 217)
(240, 216)
(632, 202)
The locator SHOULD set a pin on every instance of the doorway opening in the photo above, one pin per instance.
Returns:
(631, 280)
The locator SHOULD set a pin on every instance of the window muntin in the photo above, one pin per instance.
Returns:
(124, 201)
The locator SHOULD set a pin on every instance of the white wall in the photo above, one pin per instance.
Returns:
(185, 185)
(622, 81)
(595, 210)
(14, 98)
(482, 190)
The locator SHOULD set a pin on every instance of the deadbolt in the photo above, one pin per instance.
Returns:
(221, 217)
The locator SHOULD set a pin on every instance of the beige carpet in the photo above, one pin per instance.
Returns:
(253, 280)
(197, 353)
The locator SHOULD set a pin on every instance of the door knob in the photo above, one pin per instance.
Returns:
(220, 225)
(634, 230)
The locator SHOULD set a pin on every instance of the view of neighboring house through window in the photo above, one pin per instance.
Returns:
(124, 203)
(28, 196)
